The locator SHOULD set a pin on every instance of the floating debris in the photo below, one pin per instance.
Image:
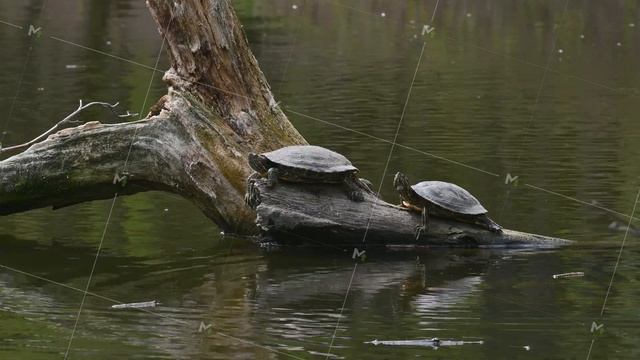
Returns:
(527, 347)
(568, 275)
(434, 342)
(138, 305)
(619, 226)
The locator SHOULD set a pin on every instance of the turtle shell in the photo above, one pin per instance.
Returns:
(449, 196)
(312, 158)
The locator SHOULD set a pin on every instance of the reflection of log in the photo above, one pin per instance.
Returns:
(295, 213)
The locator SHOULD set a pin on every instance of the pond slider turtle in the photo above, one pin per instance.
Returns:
(442, 199)
(305, 164)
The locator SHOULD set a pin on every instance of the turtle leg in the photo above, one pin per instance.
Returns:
(354, 192)
(368, 185)
(252, 196)
(252, 178)
(424, 226)
(272, 177)
(486, 222)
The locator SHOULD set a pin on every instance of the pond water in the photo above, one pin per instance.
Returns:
(543, 90)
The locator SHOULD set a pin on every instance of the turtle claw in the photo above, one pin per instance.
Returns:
(356, 196)
(420, 229)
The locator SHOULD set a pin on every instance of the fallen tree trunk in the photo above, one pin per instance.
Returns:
(323, 215)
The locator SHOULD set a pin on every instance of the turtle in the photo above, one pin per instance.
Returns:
(442, 199)
(305, 164)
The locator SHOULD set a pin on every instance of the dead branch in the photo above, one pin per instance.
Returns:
(68, 120)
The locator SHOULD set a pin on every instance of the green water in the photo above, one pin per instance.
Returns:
(521, 88)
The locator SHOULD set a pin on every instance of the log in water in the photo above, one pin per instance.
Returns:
(322, 214)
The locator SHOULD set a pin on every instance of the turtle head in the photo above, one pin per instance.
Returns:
(401, 184)
(258, 163)
(401, 181)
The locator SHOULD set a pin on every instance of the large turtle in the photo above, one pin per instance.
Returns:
(442, 199)
(305, 164)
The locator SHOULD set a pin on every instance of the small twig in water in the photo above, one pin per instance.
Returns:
(137, 305)
(568, 275)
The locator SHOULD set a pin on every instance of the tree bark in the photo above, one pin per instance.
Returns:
(195, 142)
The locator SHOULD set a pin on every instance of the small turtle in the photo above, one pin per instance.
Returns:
(305, 164)
(444, 200)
